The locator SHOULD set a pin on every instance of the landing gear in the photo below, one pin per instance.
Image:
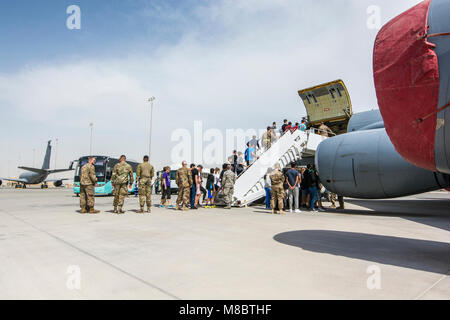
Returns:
(44, 186)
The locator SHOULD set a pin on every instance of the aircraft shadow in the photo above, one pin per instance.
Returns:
(425, 255)
(432, 212)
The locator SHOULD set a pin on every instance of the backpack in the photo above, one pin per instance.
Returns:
(313, 177)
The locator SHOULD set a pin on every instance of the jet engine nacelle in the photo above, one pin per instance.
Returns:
(1, 182)
(411, 64)
(58, 183)
(365, 164)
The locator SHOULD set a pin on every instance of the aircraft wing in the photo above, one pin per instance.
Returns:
(33, 169)
(44, 170)
(59, 170)
(54, 180)
(14, 180)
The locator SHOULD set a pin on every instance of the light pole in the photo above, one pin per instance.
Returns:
(151, 99)
(90, 145)
(56, 150)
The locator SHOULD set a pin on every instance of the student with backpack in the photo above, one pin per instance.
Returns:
(312, 183)
(210, 186)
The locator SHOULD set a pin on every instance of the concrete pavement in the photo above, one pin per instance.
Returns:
(403, 245)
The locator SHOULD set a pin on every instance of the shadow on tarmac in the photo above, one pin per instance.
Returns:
(425, 255)
(432, 212)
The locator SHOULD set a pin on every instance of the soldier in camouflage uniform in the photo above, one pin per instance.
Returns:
(122, 177)
(277, 180)
(144, 176)
(88, 179)
(228, 180)
(184, 183)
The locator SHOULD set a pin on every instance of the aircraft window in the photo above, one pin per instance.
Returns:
(332, 94)
(339, 92)
(307, 98)
(313, 97)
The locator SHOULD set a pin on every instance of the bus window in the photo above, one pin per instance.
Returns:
(99, 168)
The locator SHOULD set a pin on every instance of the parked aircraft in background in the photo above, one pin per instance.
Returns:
(36, 176)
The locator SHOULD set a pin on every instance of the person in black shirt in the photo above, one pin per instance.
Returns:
(303, 188)
(312, 183)
(234, 162)
(211, 189)
(194, 173)
(283, 127)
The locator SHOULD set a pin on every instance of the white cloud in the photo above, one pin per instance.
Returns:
(239, 64)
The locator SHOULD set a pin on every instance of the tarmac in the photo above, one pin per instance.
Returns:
(375, 249)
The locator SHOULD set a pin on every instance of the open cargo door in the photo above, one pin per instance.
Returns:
(329, 103)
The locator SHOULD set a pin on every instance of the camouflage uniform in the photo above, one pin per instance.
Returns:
(144, 174)
(184, 183)
(277, 179)
(88, 179)
(122, 176)
(267, 139)
(324, 130)
(332, 197)
(228, 180)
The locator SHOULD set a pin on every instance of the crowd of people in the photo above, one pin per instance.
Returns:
(292, 188)
(296, 188)
(192, 194)
(240, 161)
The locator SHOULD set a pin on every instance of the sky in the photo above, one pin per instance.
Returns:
(231, 64)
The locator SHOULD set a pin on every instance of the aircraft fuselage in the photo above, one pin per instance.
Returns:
(33, 177)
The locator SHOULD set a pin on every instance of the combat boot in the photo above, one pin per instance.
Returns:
(149, 210)
(83, 210)
(282, 212)
(115, 210)
(120, 211)
(177, 207)
(141, 210)
(184, 208)
(228, 206)
(273, 211)
(93, 211)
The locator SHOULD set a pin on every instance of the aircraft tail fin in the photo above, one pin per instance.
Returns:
(48, 152)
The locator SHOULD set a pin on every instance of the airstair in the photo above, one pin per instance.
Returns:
(292, 146)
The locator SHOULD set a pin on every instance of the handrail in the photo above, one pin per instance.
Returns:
(311, 130)
(248, 167)
(314, 130)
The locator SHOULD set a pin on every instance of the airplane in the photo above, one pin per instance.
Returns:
(36, 176)
(404, 147)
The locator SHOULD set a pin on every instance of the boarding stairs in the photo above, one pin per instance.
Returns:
(290, 147)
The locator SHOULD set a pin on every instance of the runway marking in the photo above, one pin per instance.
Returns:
(432, 286)
(94, 257)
